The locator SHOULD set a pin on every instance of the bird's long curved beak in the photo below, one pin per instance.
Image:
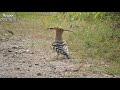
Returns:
(50, 29)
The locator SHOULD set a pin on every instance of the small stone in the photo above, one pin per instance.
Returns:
(39, 74)
(75, 70)
(31, 52)
(27, 50)
(30, 65)
(36, 64)
(14, 47)
(17, 68)
(23, 62)
(9, 50)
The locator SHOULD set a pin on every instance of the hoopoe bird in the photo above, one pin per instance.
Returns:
(59, 45)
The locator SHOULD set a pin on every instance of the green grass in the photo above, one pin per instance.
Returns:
(91, 37)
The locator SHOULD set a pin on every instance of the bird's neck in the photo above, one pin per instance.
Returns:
(58, 37)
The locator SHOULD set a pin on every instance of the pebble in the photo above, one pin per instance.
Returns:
(39, 74)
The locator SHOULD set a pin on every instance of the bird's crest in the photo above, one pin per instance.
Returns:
(60, 29)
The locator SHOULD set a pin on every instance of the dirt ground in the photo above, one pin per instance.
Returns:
(21, 57)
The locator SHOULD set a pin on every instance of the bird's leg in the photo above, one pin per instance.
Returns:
(67, 56)
(57, 55)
